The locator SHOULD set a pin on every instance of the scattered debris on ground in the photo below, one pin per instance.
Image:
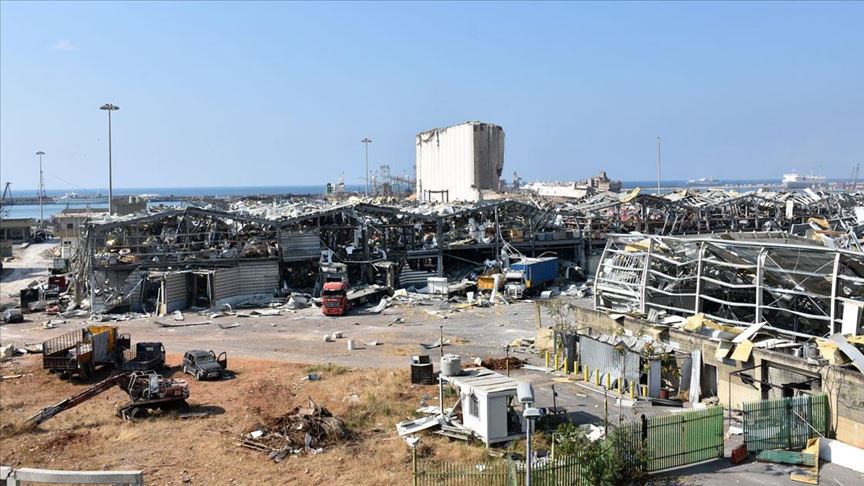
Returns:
(308, 429)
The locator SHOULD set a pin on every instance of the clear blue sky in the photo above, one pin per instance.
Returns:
(282, 93)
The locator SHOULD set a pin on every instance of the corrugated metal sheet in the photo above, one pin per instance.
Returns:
(458, 157)
(598, 355)
(414, 278)
(258, 277)
(176, 291)
(298, 246)
(226, 283)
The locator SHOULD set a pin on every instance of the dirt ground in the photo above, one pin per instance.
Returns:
(171, 450)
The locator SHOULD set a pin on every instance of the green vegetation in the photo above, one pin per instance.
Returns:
(618, 459)
(329, 368)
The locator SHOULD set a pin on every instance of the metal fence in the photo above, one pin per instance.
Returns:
(463, 474)
(560, 471)
(668, 441)
(785, 423)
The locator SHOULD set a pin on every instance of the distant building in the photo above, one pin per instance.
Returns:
(456, 163)
(68, 224)
(16, 229)
(577, 189)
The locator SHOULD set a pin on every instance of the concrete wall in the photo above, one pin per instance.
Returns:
(461, 159)
(844, 386)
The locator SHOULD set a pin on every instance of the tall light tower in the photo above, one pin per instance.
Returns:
(658, 166)
(366, 141)
(109, 108)
(41, 187)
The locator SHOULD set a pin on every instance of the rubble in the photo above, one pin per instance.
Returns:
(309, 429)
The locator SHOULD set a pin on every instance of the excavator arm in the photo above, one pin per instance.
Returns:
(46, 413)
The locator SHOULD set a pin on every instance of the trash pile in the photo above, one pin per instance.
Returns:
(307, 429)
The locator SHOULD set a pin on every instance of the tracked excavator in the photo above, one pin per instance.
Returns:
(147, 390)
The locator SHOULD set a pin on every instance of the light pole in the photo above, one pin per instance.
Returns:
(41, 188)
(658, 166)
(109, 108)
(366, 141)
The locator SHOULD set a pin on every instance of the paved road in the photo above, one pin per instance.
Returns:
(28, 265)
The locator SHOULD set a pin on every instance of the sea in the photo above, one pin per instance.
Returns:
(49, 210)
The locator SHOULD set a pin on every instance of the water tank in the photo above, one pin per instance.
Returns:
(451, 365)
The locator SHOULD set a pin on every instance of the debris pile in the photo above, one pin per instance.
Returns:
(307, 428)
(502, 363)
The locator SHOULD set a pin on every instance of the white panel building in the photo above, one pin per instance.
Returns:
(455, 163)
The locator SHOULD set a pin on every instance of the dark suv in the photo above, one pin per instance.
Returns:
(204, 364)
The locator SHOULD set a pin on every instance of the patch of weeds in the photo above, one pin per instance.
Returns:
(329, 368)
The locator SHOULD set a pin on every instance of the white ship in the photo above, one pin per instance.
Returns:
(797, 181)
(704, 182)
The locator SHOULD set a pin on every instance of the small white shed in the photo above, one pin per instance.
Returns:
(485, 397)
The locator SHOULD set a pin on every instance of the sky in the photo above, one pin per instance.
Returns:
(271, 94)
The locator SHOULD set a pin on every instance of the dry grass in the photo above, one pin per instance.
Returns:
(204, 451)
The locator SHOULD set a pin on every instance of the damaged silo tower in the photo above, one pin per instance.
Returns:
(455, 163)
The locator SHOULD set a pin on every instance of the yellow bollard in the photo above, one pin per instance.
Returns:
(632, 390)
(566, 368)
(585, 373)
(556, 361)
(620, 385)
(644, 389)
(547, 359)
(597, 377)
(609, 381)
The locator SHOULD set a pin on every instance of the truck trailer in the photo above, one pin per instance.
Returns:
(82, 350)
(530, 274)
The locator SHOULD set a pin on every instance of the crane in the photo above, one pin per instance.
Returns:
(854, 176)
(7, 191)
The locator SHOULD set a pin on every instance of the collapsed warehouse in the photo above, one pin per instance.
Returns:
(744, 316)
(794, 286)
(200, 257)
(714, 211)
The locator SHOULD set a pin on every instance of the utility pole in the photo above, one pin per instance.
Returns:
(366, 141)
(658, 166)
(41, 189)
(109, 108)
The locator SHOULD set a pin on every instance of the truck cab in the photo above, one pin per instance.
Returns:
(515, 284)
(334, 298)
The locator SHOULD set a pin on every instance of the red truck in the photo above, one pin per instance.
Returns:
(334, 299)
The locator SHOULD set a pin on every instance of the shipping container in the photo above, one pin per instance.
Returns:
(538, 271)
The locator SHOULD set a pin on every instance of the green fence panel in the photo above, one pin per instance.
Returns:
(684, 438)
(462, 474)
(785, 423)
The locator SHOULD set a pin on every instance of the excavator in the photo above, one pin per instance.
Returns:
(147, 390)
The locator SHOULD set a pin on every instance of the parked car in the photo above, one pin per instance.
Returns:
(204, 364)
(12, 316)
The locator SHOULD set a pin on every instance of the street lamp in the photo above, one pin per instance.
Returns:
(366, 141)
(658, 166)
(109, 108)
(41, 188)
(525, 395)
(531, 414)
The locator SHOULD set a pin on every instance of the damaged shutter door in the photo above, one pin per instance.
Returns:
(258, 277)
(226, 283)
(176, 295)
(300, 246)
